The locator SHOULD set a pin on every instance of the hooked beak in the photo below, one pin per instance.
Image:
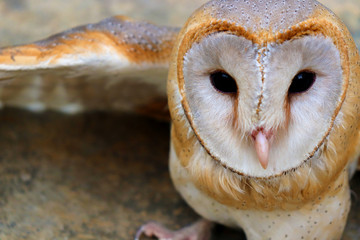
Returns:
(262, 145)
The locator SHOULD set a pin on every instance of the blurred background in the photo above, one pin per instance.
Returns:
(29, 20)
(98, 175)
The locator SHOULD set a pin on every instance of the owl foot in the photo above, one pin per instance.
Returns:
(200, 230)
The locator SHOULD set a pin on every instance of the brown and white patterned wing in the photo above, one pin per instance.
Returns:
(116, 64)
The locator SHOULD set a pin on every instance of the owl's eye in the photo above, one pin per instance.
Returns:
(302, 82)
(223, 82)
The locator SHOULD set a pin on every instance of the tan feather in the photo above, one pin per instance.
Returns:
(93, 65)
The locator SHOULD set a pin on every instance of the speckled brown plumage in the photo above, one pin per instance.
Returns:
(139, 42)
(66, 71)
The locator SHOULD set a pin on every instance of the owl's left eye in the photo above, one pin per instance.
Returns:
(223, 82)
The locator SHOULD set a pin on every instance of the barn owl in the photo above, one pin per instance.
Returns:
(263, 97)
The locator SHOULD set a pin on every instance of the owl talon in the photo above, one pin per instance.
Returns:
(198, 231)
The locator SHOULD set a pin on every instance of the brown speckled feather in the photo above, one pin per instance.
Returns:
(116, 64)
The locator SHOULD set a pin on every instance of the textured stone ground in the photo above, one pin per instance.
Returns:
(93, 176)
(97, 175)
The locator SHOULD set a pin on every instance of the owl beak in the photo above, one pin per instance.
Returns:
(262, 146)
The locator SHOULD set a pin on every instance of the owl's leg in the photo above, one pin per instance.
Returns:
(200, 230)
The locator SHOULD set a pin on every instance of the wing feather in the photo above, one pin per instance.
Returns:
(116, 64)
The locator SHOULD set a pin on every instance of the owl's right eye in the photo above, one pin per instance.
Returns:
(223, 82)
(302, 82)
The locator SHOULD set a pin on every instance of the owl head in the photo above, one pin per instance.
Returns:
(264, 85)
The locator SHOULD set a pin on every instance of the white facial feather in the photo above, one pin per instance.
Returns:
(224, 122)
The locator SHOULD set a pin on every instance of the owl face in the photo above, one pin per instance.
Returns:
(261, 103)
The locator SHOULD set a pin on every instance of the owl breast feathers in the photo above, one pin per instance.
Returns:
(263, 98)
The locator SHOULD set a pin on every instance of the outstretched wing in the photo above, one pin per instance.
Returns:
(116, 64)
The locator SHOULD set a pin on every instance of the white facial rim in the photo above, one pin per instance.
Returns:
(312, 112)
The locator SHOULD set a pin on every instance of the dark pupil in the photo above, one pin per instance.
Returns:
(302, 82)
(223, 82)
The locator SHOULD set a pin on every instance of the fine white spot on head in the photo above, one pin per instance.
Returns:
(258, 15)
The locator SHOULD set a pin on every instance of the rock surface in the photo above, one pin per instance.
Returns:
(94, 176)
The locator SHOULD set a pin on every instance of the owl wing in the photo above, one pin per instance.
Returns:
(115, 64)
